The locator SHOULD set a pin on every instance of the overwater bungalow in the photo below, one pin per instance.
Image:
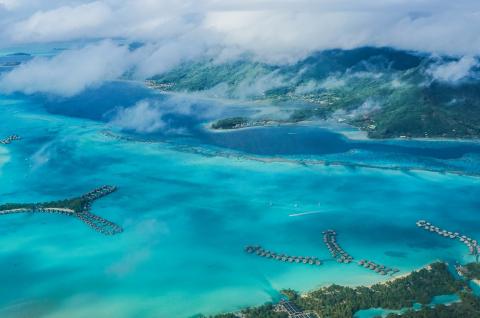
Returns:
(469, 242)
(83, 212)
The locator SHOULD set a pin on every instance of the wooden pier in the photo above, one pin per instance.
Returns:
(330, 240)
(472, 245)
(258, 250)
(9, 139)
(77, 207)
(338, 253)
(377, 268)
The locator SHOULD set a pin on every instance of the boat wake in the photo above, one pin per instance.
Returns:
(305, 213)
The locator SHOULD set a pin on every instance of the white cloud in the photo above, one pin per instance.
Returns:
(282, 29)
(61, 23)
(259, 84)
(308, 87)
(275, 31)
(367, 108)
(453, 71)
(147, 116)
(288, 32)
(142, 117)
(69, 72)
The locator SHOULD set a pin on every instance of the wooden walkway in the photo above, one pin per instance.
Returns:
(96, 222)
(9, 139)
(258, 250)
(472, 245)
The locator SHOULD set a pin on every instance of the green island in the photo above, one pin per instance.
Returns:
(243, 122)
(78, 207)
(230, 123)
(418, 287)
(387, 93)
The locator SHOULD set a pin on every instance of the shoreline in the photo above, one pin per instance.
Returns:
(349, 131)
(306, 294)
(346, 130)
(406, 274)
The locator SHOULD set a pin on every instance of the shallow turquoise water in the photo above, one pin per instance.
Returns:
(380, 312)
(188, 216)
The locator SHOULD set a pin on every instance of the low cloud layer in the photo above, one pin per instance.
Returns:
(173, 31)
(69, 72)
(153, 115)
(282, 29)
(453, 71)
(143, 117)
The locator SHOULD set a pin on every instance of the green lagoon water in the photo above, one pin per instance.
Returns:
(187, 217)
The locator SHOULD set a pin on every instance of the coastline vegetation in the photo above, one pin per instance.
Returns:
(78, 207)
(75, 204)
(385, 92)
(230, 123)
(419, 287)
(469, 306)
(472, 271)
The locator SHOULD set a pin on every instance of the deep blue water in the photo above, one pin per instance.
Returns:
(99, 104)
(184, 119)
(304, 140)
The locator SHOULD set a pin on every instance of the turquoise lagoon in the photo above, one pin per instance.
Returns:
(379, 312)
(189, 205)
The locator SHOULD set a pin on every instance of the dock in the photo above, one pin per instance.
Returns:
(78, 207)
(330, 240)
(9, 139)
(377, 268)
(339, 254)
(259, 251)
(471, 244)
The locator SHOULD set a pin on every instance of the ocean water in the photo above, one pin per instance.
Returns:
(187, 214)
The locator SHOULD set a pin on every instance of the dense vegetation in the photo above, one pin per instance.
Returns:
(468, 307)
(265, 311)
(419, 287)
(75, 204)
(472, 271)
(229, 123)
(386, 92)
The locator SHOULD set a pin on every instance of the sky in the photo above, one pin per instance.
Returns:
(174, 31)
